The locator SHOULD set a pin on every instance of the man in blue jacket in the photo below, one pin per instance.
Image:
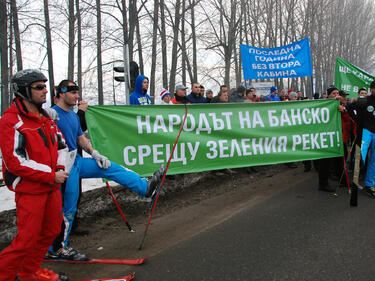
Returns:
(140, 96)
(195, 96)
(272, 96)
(99, 166)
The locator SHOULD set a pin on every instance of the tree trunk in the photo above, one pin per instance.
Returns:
(140, 54)
(127, 50)
(10, 40)
(17, 38)
(130, 31)
(51, 79)
(172, 78)
(164, 46)
(154, 43)
(99, 53)
(183, 46)
(79, 49)
(71, 20)
(4, 56)
(194, 38)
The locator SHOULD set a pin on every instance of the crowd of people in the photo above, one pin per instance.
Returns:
(35, 141)
(357, 115)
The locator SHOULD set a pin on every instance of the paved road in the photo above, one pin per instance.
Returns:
(299, 234)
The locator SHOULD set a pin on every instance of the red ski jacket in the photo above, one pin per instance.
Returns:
(174, 101)
(30, 146)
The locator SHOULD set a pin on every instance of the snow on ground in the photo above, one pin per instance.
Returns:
(7, 196)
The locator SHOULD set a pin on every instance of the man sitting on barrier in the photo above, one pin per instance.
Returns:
(98, 166)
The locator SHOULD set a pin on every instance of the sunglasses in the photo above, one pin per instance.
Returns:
(70, 89)
(39, 87)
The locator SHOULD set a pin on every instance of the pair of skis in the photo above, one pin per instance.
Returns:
(106, 261)
(102, 261)
(124, 278)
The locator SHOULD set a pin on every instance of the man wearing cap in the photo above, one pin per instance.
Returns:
(180, 95)
(272, 96)
(209, 95)
(165, 97)
(362, 111)
(293, 96)
(195, 96)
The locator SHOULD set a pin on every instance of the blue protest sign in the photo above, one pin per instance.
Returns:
(293, 60)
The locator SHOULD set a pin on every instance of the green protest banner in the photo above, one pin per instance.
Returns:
(350, 78)
(216, 136)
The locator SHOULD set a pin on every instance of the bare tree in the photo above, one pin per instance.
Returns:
(4, 56)
(17, 39)
(99, 52)
(71, 21)
(177, 16)
(79, 48)
(194, 39)
(224, 31)
(154, 41)
(47, 28)
(164, 50)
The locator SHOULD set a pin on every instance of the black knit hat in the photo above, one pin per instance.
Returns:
(331, 89)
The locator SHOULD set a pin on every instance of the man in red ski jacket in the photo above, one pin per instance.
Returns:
(31, 144)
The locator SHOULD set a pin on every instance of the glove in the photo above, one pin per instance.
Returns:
(52, 113)
(101, 160)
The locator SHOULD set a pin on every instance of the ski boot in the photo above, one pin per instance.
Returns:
(370, 191)
(155, 181)
(154, 185)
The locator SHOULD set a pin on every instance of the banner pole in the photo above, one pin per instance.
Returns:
(312, 86)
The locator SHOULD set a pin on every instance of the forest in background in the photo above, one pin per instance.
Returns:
(176, 41)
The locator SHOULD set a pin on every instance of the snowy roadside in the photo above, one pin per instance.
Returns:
(7, 196)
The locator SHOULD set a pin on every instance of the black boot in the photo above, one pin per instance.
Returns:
(155, 181)
(326, 187)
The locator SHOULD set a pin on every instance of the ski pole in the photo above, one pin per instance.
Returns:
(347, 160)
(118, 208)
(162, 181)
(346, 174)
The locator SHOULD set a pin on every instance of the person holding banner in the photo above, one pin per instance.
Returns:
(195, 95)
(329, 165)
(99, 166)
(362, 111)
(180, 95)
(362, 92)
(272, 96)
(140, 96)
